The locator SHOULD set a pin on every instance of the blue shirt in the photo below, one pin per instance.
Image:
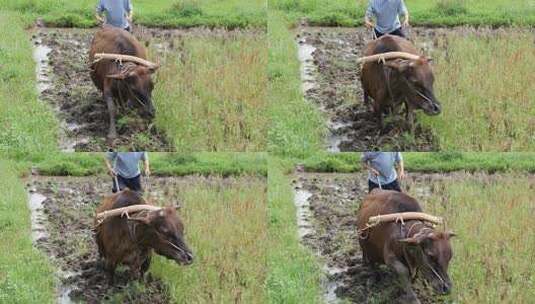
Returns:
(126, 164)
(384, 163)
(116, 11)
(386, 13)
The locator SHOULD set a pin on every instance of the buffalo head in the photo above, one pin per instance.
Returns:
(431, 253)
(137, 85)
(165, 234)
(417, 80)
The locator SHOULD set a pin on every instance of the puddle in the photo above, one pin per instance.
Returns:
(42, 65)
(303, 212)
(307, 68)
(35, 204)
(305, 229)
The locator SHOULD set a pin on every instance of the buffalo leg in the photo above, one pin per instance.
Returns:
(404, 276)
(409, 116)
(110, 271)
(112, 134)
(146, 264)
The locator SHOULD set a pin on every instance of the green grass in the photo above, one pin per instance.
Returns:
(25, 123)
(162, 164)
(213, 96)
(491, 262)
(485, 85)
(427, 162)
(297, 127)
(226, 229)
(174, 13)
(25, 274)
(294, 274)
(423, 12)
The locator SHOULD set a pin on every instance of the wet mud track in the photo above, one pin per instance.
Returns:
(333, 201)
(331, 81)
(67, 218)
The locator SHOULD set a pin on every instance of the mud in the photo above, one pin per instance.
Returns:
(64, 226)
(64, 82)
(331, 80)
(331, 205)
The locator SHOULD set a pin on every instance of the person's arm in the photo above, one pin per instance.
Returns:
(368, 17)
(400, 166)
(129, 11)
(108, 159)
(146, 165)
(403, 12)
(366, 164)
(99, 11)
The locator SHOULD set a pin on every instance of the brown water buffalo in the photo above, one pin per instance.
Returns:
(408, 248)
(405, 78)
(126, 81)
(131, 239)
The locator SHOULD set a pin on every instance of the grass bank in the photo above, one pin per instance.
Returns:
(426, 162)
(212, 97)
(486, 77)
(25, 123)
(294, 273)
(423, 12)
(491, 261)
(25, 274)
(297, 127)
(226, 229)
(175, 13)
(162, 164)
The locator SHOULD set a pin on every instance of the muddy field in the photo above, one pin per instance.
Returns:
(64, 82)
(331, 80)
(62, 228)
(327, 224)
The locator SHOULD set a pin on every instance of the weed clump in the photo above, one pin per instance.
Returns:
(186, 8)
(451, 7)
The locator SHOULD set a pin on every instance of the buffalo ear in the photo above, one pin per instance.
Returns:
(400, 65)
(153, 69)
(451, 234)
(178, 206)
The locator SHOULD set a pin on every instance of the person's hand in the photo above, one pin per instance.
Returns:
(112, 173)
(401, 174)
(369, 24)
(375, 172)
(147, 171)
(405, 24)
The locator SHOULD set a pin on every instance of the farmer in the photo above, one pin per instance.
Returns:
(381, 168)
(386, 14)
(118, 13)
(124, 169)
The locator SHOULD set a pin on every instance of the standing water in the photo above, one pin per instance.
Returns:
(42, 66)
(304, 228)
(39, 234)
